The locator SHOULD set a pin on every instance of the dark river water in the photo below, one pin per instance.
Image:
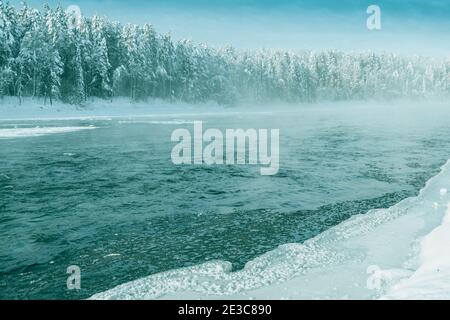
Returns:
(110, 200)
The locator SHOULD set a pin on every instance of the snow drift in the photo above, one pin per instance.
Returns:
(432, 279)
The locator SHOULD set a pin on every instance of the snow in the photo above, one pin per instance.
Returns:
(100, 109)
(128, 112)
(36, 109)
(49, 58)
(399, 252)
(432, 279)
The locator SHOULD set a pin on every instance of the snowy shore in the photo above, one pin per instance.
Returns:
(395, 253)
(431, 280)
(36, 109)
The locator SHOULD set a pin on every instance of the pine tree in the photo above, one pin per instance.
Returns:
(42, 54)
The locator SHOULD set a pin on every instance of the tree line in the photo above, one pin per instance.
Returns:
(44, 54)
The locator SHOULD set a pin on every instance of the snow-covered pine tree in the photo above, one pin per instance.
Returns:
(42, 54)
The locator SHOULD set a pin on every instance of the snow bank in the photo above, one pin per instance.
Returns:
(100, 109)
(432, 279)
(31, 109)
(37, 131)
(378, 254)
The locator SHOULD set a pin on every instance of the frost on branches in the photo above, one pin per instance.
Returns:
(43, 55)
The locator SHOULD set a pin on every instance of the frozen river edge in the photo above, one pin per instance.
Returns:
(395, 253)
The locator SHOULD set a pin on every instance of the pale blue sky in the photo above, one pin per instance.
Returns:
(408, 26)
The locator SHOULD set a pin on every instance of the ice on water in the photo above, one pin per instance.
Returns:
(38, 131)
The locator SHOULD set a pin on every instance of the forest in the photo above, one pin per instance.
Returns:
(45, 55)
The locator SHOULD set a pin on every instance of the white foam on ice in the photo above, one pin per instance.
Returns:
(37, 131)
(365, 257)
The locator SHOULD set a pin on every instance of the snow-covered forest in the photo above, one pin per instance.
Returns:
(44, 54)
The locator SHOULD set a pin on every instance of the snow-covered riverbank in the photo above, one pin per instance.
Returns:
(396, 253)
(431, 280)
(11, 109)
(36, 109)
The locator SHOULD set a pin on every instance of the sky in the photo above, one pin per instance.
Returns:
(407, 26)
